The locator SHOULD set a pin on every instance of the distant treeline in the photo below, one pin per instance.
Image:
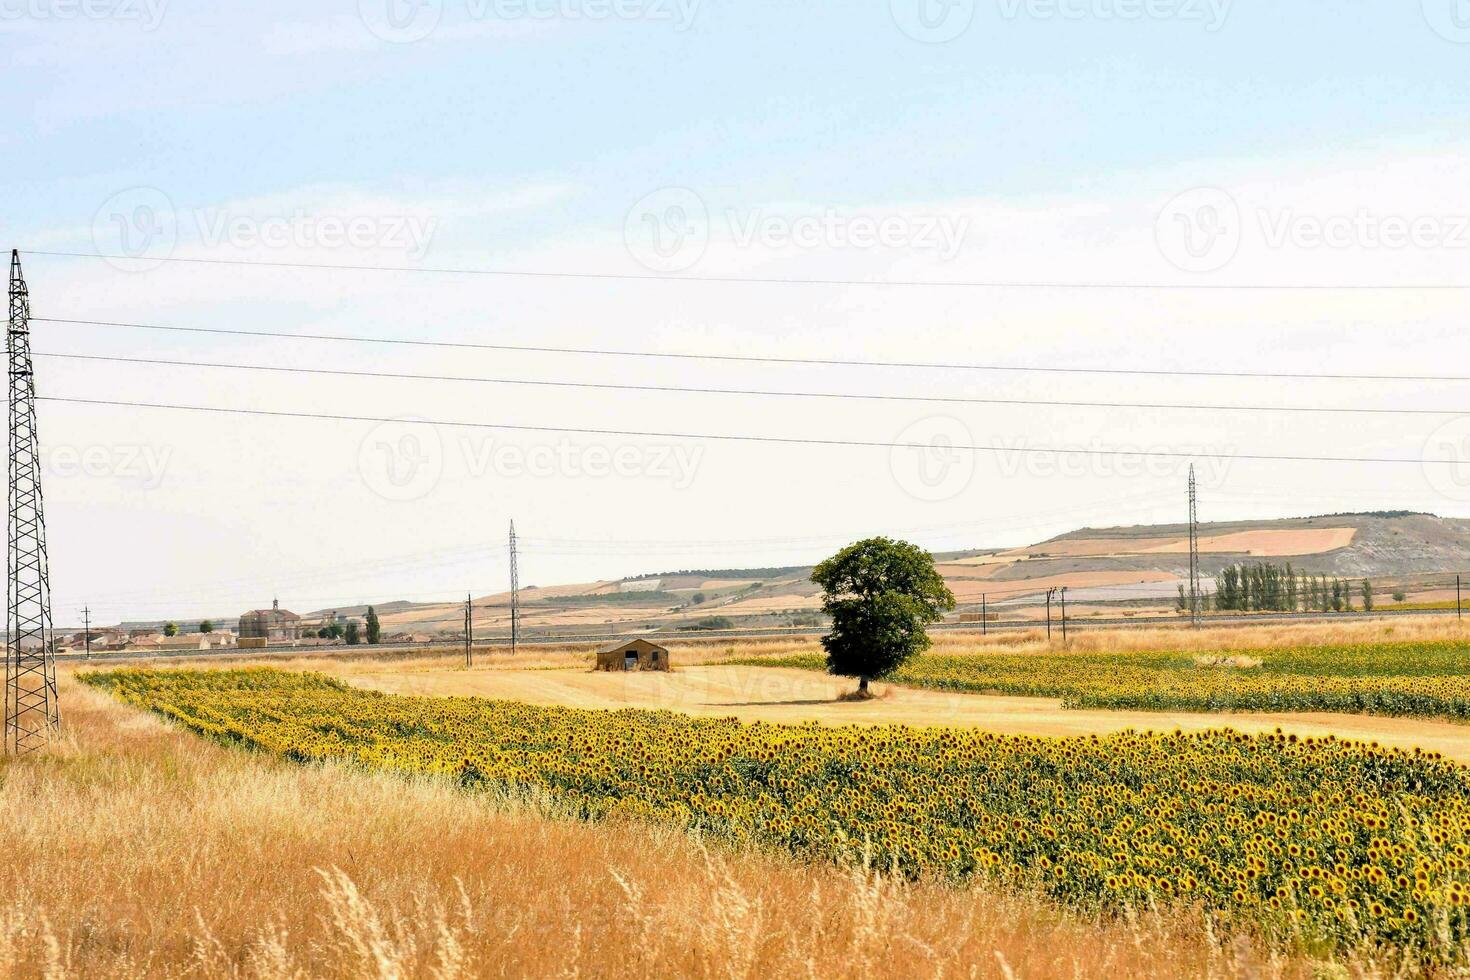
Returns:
(1266, 587)
(740, 573)
(648, 598)
(1376, 513)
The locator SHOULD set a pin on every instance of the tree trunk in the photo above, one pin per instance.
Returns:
(862, 685)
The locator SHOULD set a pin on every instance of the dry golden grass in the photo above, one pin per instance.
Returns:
(139, 850)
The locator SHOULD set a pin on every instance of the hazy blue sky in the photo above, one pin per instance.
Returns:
(1052, 140)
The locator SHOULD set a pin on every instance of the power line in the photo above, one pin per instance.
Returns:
(679, 389)
(1152, 285)
(752, 358)
(770, 440)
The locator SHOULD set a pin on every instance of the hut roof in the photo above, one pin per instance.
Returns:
(628, 643)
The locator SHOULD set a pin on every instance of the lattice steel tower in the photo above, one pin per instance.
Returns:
(32, 713)
(515, 593)
(1194, 589)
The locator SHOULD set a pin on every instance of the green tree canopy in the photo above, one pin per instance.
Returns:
(881, 595)
(170, 629)
(207, 626)
(374, 628)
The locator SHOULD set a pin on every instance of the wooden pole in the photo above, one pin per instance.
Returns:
(984, 617)
(469, 632)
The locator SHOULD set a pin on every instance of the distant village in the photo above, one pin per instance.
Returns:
(256, 629)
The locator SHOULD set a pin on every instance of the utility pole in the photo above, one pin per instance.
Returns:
(1064, 615)
(32, 712)
(515, 593)
(87, 630)
(1193, 551)
(1458, 613)
(984, 617)
(1049, 594)
(469, 632)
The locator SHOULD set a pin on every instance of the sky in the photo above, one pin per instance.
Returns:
(1125, 185)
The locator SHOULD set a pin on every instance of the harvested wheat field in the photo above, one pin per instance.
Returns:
(153, 852)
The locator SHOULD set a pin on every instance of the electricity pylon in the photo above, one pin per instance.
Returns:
(1194, 589)
(32, 712)
(515, 593)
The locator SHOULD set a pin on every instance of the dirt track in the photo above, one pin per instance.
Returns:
(795, 696)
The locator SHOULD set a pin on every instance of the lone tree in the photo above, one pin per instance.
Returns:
(881, 595)
(207, 626)
(353, 637)
(374, 628)
(170, 629)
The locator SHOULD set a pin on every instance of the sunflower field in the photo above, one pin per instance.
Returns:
(1322, 842)
(1409, 679)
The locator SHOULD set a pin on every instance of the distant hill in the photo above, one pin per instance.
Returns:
(1129, 566)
